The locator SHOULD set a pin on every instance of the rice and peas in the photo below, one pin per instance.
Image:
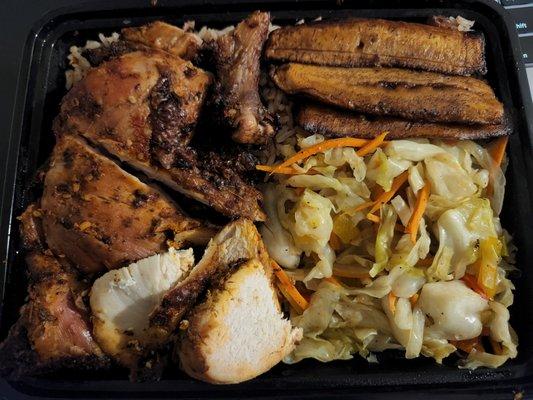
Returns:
(359, 283)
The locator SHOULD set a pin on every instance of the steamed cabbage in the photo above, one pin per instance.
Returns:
(371, 285)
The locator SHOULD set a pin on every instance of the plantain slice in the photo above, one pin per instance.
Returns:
(376, 42)
(334, 123)
(412, 95)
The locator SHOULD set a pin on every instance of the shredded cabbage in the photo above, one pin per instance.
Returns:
(392, 290)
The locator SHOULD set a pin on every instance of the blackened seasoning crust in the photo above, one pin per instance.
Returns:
(172, 127)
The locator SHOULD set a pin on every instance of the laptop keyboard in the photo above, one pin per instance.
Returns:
(522, 12)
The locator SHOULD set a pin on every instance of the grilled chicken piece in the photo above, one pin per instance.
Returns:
(237, 242)
(166, 37)
(156, 35)
(239, 331)
(147, 103)
(101, 217)
(376, 42)
(237, 59)
(122, 301)
(54, 328)
(411, 95)
(332, 123)
(125, 107)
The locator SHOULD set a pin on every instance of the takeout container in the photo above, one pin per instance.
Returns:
(41, 87)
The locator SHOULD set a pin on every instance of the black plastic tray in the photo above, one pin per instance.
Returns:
(28, 143)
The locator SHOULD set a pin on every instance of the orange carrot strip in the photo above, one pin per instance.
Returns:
(497, 150)
(362, 206)
(320, 147)
(283, 171)
(372, 145)
(288, 289)
(468, 345)
(387, 196)
(471, 282)
(392, 302)
(413, 299)
(418, 212)
(373, 218)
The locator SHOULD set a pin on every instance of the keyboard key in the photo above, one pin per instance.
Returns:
(527, 49)
(523, 18)
(515, 2)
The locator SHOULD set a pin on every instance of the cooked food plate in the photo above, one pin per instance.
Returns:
(227, 200)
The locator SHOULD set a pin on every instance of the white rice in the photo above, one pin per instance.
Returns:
(79, 64)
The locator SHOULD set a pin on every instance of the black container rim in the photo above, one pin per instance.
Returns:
(57, 10)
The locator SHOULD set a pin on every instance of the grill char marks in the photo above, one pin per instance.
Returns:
(332, 123)
(374, 42)
(135, 122)
(236, 96)
(412, 95)
(101, 217)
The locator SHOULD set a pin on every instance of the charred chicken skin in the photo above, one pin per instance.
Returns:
(142, 108)
(237, 60)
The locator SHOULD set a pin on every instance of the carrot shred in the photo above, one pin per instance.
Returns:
(468, 345)
(373, 218)
(497, 150)
(289, 291)
(471, 282)
(320, 147)
(413, 299)
(363, 206)
(372, 145)
(392, 302)
(418, 212)
(385, 197)
(283, 171)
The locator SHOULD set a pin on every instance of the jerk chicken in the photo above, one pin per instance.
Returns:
(101, 217)
(375, 42)
(237, 242)
(54, 329)
(142, 107)
(156, 35)
(122, 301)
(237, 60)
